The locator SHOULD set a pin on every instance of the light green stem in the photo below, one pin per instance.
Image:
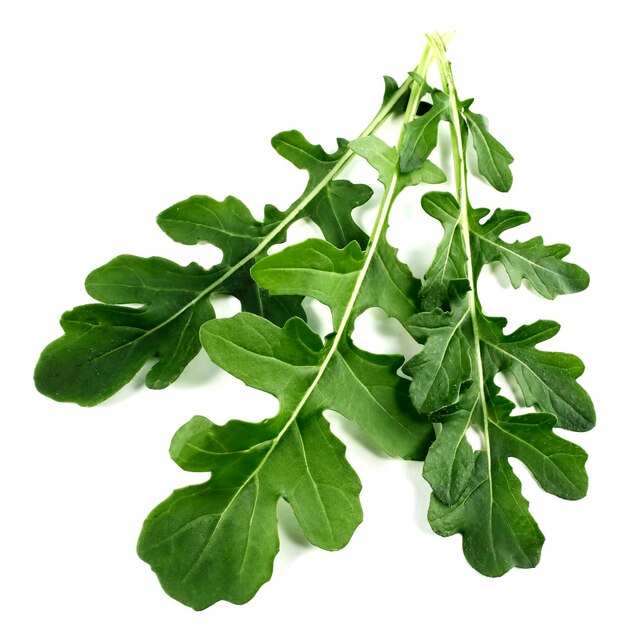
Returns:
(460, 172)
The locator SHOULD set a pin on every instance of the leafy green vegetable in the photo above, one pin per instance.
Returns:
(202, 540)
(218, 540)
(493, 157)
(490, 512)
(105, 345)
(476, 493)
(421, 133)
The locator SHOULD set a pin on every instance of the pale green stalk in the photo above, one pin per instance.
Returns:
(460, 172)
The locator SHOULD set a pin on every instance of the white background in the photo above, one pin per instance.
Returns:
(112, 111)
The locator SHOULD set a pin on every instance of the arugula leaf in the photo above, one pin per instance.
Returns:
(105, 345)
(539, 265)
(421, 133)
(218, 540)
(476, 493)
(450, 459)
(546, 380)
(491, 514)
(445, 363)
(384, 159)
(493, 157)
(331, 206)
(449, 262)
(391, 87)
(201, 540)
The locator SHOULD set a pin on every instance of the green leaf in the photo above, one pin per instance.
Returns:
(498, 531)
(313, 268)
(218, 540)
(421, 134)
(105, 345)
(556, 464)
(318, 269)
(384, 159)
(450, 460)
(449, 262)
(228, 225)
(541, 266)
(547, 380)
(331, 211)
(379, 155)
(333, 276)
(331, 206)
(441, 368)
(493, 157)
(371, 394)
(391, 89)
(400, 106)
(477, 493)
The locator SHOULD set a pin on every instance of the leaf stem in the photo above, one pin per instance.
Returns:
(460, 173)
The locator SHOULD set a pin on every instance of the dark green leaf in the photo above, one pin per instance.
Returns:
(498, 531)
(105, 346)
(421, 134)
(450, 460)
(547, 380)
(391, 88)
(491, 514)
(493, 157)
(541, 266)
(477, 494)
(331, 210)
(445, 363)
(217, 541)
(449, 262)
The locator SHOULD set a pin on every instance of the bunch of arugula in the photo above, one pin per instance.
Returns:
(217, 540)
